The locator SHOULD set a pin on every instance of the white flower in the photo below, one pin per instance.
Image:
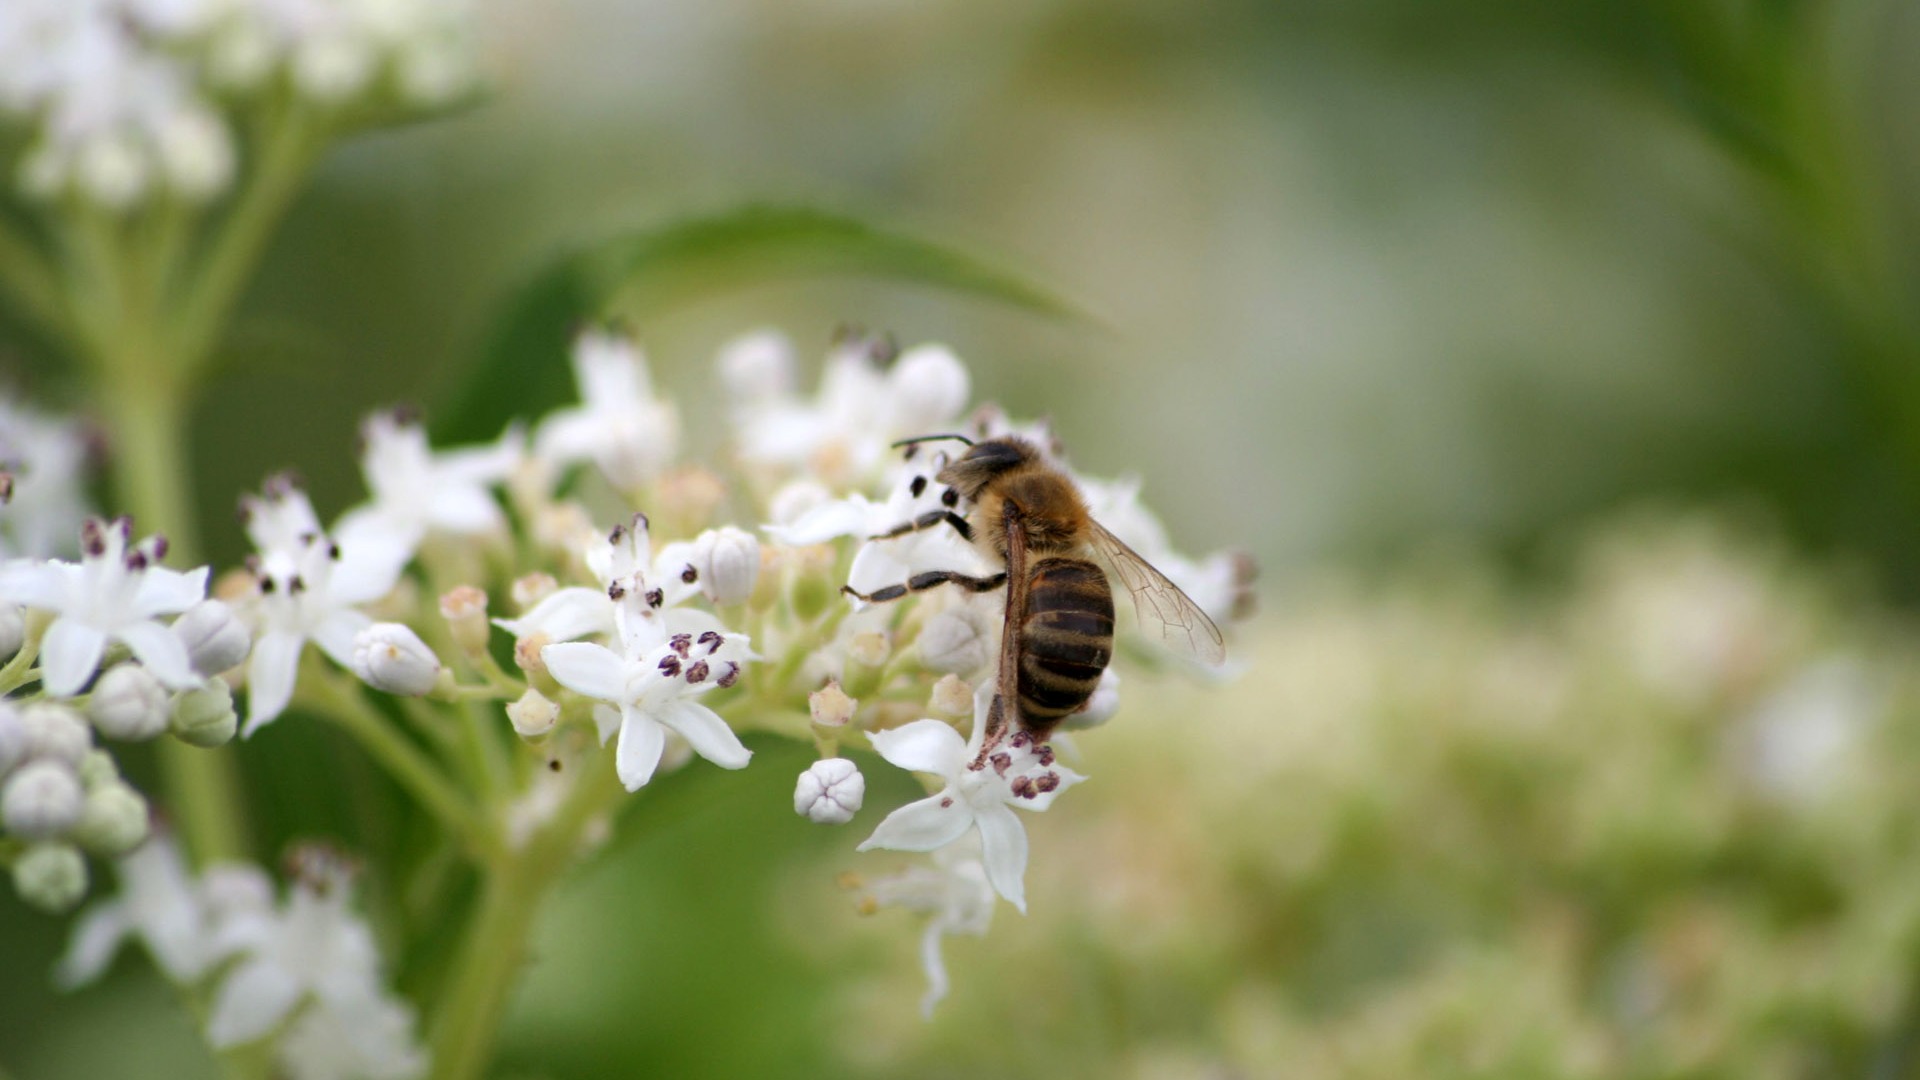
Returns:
(363, 1037)
(113, 593)
(955, 892)
(415, 490)
(313, 948)
(843, 435)
(45, 458)
(879, 563)
(335, 51)
(308, 588)
(391, 657)
(619, 425)
(757, 366)
(624, 562)
(653, 691)
(160, 904)
(1015, 774)
(830, 792)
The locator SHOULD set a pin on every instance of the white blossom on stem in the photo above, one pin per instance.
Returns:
(115, 593)
(415, 490)
(173, 916)
(974, 797)
(955, 895)
(879, 563)
(624, 562)
(619, 424)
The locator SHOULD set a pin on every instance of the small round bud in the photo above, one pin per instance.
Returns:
(391, 657)
(56, 733)
(14, 741)
(204, 716)
(13, 630)
(465, 609)
(41, 799)
(215, 638)
(930, 387)
(952, 696)
(526, 654)
(830, 706)
(98, 768)
(112, 171)
(1100, 707)
(757, 365)
(195, 152)
(956, 640)
(735, 566)
(128, 703)
(830, 792)
(533, 715)
(868, 648)
(51, 877)
(531, 589)
(114, 820)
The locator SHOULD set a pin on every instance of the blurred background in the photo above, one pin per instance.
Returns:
(1558, 362)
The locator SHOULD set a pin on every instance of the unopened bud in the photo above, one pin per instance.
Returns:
(735, 566)
(830, 706)
(51, 877)
(465, 609)
(56, 733)
(531, 589)
(215, 638)
(391, 657)
(1100, 707)
(952, 696)
(98, 768)
(41, 799)
(526, 654)
(128, 703)
(533, 715)
(757, 365)
(13, 630)
(830, 792)
(955, 640)
(114, 820)
(204, 716)
(868, 648)
(929, 387)
(14, 742)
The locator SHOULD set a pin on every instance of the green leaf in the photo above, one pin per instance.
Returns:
(523, 368)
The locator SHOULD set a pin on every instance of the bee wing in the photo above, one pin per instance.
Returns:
(1183, 626)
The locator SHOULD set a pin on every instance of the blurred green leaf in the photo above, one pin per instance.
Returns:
(523, 366)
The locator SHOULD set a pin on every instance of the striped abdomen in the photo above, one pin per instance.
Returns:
(1066, 639)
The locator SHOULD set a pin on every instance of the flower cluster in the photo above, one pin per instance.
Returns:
(128, 99)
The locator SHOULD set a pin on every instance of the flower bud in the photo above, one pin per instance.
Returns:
(98, 768)
(204, 716)
(930, 387)
(465, 609)
(735, 566)
(14, 741)
(128, 703)
(526, 655)
(391, 657)
(955, 640)
(1100, 707)
(56, 733)
(195, 153)
(830, 792)
(113, 821)
(112, 171)
(13, 630)
(830, 706)
(951, 696)
(51, 877)
(41, 799)
(868, 648)
(215, 638)
(757, 365)
(531, 589)
(533, 715)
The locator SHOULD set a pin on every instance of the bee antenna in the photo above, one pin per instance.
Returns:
(932, 438)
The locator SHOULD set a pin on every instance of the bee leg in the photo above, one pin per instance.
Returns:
(930, 519)
(931, 579)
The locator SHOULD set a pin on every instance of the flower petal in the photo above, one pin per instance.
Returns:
(641, 743)
(37, 584)
(374, 548)
(936, 968)
(927, 746)
(250, 1002)
(168, 592)
(336, 632)
(1003, 848)
(96, 938)
(464, 510)
(1044, 799)
(841, 517)
(586, 668)
(564, 615)
(68, 655)
(933, 822)
(709, 735)
(163, 654)
(270, 674)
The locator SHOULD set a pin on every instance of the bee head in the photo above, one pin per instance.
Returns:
(986, 460)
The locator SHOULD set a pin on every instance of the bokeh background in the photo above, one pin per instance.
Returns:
(1560, 364)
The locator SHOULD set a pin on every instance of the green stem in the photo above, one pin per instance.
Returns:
(495, 944)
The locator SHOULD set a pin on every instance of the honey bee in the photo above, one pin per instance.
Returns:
(1028, 517)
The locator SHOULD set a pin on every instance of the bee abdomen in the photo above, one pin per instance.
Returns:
(1066, 640)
